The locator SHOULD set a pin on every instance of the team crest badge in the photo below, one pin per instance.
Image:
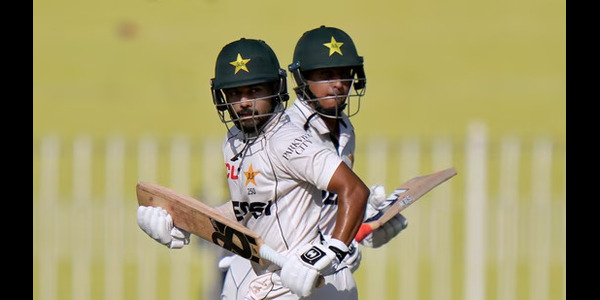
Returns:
(334, 46)
(251, 175)
(240, 64)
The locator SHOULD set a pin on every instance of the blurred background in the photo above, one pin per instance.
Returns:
(121, 94)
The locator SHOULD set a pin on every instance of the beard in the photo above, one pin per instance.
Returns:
(251, 121)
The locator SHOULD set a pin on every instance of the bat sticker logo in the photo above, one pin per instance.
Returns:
(396, 193)
(234, 241)
(406, 200)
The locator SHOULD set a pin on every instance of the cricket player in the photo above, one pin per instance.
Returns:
(276, 174)
(330, 82)
(326, 69)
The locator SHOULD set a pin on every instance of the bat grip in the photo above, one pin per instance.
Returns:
(364, 230)
(272, 255)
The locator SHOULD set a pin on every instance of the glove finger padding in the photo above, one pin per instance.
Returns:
(375, 209)
(300, 272)
(375, 202)
(386, 232)
(146, 217)
(179, 233)
(351, 254)
(161, 224)
(377, 196)
(158, 224)
(179, 237)
(352, 260)
(395, 225)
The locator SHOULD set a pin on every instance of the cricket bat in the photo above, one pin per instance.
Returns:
(407, 194)
(208, 223)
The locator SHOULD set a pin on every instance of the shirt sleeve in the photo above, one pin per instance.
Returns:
(304, 157)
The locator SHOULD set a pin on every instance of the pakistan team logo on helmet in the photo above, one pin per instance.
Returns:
(245, 62)
(327, 47)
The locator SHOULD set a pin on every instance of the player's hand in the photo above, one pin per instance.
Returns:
(377, 205)
(301, 271)
(386, 232)
(352, 259)
(158, 224)
(225, 262)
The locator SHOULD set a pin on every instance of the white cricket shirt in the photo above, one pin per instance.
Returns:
(276, 182)
(300, 113)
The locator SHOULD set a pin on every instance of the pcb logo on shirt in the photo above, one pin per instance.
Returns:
(251, 175)
(251, 178)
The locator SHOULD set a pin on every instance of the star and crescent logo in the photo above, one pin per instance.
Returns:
(251, 175)
(240, 64)
(334, 47)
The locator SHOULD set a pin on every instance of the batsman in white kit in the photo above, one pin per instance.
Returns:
(276, 174)
(329, 87)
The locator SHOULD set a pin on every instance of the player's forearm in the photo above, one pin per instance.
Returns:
(352, 199)
(351, 208)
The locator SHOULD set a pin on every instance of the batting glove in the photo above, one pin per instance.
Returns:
(158, 224)
(225, 262)
(377, 205)
(352, 258)
(300, 272)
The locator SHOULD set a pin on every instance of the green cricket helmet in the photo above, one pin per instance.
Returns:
(247, 62)
(328, 47)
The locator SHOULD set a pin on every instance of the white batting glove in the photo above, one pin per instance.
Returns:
(225, 262)
(352, 258)
(158, 224)
(386, 232)
(377, 205)
(300, 272)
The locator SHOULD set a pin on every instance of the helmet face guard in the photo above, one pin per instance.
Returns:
(230, 117)
(328, 47)
(349, 103)
(248, 62)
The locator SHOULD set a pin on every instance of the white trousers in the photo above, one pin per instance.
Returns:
(241, 283)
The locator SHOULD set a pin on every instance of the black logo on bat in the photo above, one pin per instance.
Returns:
(234, 241)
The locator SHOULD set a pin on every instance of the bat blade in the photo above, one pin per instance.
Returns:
(206, 222)
(409, 192)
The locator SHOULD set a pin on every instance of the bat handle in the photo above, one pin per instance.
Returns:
(279, 259)
(364, 230)
(272, 255)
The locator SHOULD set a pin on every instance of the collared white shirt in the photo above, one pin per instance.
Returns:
(276, 182)
(300, 114)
